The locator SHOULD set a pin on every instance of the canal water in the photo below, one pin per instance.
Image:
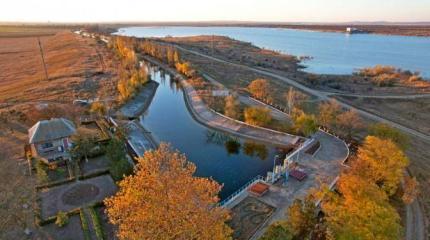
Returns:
(228, 160)
(332, 53)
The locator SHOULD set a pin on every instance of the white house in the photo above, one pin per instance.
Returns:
(50, 139)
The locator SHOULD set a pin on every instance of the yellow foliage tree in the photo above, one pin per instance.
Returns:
(328, 112)
(348, 123)
(360, 211)
(231, 108)
(382, 162)
(124, 90)
(304, 123)
(163, 200)
(259, 88)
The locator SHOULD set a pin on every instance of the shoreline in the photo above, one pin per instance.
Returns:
(405, 30)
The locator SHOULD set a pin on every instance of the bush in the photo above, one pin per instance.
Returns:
(120, 168)
(119, 165)
(42, 176)
(277, 231)
(62, 219)
(257, 116)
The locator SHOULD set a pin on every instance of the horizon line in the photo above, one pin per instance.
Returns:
(232, 22)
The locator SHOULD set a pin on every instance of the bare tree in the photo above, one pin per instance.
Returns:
(293, 97)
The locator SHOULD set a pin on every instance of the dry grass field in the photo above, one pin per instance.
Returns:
(413, 113)
(76, 66)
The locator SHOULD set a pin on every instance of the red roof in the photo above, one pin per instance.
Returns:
(259, 188)
(299, 175)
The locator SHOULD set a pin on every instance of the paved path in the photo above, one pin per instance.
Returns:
(408, 96)
(415, 226)
(322, 95)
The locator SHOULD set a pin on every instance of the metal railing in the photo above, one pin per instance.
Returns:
(240, 191)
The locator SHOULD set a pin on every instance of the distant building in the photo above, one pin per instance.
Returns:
(352, 30)
(50, 139)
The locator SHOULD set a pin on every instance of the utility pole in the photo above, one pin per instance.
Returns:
(213, 47)
(43, 59)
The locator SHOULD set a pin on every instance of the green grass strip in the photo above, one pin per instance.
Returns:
(96, 223)
(84, 223)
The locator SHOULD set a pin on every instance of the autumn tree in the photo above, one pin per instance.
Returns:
(124, 89)
(184, 68)
(293, 97)
(257, 116)
(164, 200)
(278, 231)
(302, 217)
(170, 56)
(360, 210)
(328, 112)
(259, 88)
(385, 131)
(231, 108)
(304, 123)
(382, 162)
(176, 57)
(348, 123)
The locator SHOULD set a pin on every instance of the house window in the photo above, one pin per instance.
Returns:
(47, 145)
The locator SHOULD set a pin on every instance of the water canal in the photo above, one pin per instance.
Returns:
(229, 160)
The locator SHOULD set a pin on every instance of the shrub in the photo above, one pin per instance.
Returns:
(62, 219)
(42, 176)
(257, 116)
(119, 165)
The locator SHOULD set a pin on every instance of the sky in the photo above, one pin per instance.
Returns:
(216, 10)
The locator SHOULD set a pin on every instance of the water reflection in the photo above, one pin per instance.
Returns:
(233, 145)
(255, 149)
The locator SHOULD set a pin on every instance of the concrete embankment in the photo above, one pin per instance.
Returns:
(139, 140)
(138, 105)
(212, 119)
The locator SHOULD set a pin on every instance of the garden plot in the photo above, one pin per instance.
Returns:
(75, 195)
